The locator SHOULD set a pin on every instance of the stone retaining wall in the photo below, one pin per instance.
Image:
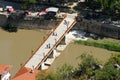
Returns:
(3, 20)
(98, 28)
(22, 23)
(83, 24)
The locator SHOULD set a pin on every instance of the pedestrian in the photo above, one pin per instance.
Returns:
(53, 33)
(55, 40)
(56, 34)
(44, 54)
(49, 45)
(68, 23)
(65, 22)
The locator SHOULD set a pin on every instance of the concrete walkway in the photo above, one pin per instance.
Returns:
(50, 43)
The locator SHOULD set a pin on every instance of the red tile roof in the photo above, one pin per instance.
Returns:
(4, 67)
(26, 74)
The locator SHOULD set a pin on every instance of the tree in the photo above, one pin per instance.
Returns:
(27, 4)
(110, 6)
(41, 76)
(115, 58)
(85, 68)
(47, 76)
(53, 76)
(109, 72)
(65, 72)
(32, 1)
(10, 27)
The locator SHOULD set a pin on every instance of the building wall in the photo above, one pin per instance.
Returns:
(6, 76)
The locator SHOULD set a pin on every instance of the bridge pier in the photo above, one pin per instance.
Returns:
(54, 54)
(49, 60)
(62, 42)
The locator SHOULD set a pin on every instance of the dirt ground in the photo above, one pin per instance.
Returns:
(16, 48)
(73, 51)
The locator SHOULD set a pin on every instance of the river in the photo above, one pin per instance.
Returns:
(16, 48)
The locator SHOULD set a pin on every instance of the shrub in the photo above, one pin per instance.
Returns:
(10, 27)
(108, 46)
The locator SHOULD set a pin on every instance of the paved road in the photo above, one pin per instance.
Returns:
(51, 41)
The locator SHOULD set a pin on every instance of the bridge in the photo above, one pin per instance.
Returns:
(50, 43)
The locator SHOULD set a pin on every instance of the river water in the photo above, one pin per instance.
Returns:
(71, 55)
(16, 48)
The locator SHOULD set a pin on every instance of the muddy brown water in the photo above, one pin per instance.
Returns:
(16, 48)
(73, 51)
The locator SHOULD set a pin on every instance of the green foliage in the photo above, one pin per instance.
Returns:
(108, 73)
(27, 4)
(65, 71)
(41, 75)
(114, 59)
(47, 76)
(52, 76)
(10, 27)
(108, 46)
(110, 5)
(32, 1)
(83, 77)
(24, 6)
(87, 60)
(84, 69)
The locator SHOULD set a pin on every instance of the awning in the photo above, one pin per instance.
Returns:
(52, 9)
(10, 9)
(7, 7)
(42, 13)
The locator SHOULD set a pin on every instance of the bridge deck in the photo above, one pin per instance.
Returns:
(56, 36)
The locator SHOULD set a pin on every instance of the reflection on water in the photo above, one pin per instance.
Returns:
(16, 48)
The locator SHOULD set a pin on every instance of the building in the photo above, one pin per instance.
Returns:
(51, 12)
(26, 74)
(1, 8)
(5, 72)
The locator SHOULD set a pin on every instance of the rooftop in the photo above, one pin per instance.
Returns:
(4, 67)
(26, 74)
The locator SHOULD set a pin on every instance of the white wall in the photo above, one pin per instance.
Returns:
(5, 76)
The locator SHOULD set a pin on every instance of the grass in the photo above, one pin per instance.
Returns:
(106, 45)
